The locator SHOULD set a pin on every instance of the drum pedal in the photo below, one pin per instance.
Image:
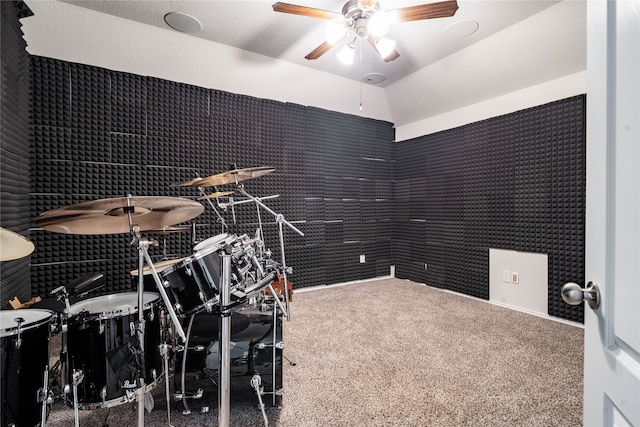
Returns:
(188, 395)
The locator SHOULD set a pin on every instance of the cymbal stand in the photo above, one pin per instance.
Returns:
(224, 343)
(143, 255)
(221, 220)
(280, 221)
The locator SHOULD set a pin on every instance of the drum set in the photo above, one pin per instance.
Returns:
(182, 316)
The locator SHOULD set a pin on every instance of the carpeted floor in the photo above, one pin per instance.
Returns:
(395, 353)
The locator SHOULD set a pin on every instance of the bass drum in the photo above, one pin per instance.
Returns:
(251, 350)
(102, 342)
(24, 355)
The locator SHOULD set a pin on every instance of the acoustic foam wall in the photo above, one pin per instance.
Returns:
(105, 134)
(14, 149)
(514, 182)
(511, 182)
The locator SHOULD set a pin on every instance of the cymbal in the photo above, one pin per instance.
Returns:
(186, 183)
(108, 216)
(14, 245)
(233, 176)
(169, 230)
(216, 194)
(159, 266)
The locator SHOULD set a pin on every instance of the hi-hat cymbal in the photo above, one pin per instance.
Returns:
(169, 230)
(233, 176)
(216, 194)
(14, 245)
(110, 216)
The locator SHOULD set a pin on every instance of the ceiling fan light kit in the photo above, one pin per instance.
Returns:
(363, 19)
(346, 54)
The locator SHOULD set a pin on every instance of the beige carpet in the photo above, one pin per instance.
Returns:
(396, 353)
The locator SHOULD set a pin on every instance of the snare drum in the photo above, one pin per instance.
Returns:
(102, 342)
(24, 354)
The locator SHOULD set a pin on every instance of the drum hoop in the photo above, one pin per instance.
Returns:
(13, 330)
(103, 315)
(217, 242)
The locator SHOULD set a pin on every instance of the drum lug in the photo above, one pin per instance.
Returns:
(188, 271)
(103, 394)
(101, 328)
(154, 374)
(151, 316)
(18, 342)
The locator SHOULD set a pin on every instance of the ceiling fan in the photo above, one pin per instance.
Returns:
(363, 19)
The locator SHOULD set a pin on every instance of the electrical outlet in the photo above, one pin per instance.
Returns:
(515, 277)
(362, 259)
(506, 276)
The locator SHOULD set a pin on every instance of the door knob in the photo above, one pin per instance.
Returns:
(573, 294)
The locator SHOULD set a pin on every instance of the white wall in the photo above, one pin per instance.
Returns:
(530, 294)
(565, 87)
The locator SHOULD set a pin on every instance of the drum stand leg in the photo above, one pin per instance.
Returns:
(44, 397)
(256, 382)
(224, 344)
(164, 352)
(78, 376)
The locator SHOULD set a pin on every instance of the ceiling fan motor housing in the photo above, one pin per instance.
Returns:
(357, 18)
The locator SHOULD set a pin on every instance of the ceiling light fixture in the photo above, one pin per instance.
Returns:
(362, 20)
(385, 46)
(347, 53)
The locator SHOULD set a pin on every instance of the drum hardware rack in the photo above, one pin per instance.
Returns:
(279, 219)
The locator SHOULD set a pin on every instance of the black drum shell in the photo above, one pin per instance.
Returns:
(23, 370)
(250, 328)
(194, 281)
(107, 358)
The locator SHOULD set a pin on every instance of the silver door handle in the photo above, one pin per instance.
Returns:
(573, 294)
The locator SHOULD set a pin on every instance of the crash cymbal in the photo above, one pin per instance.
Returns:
(216, 194)
(109, 216)
(14, 245)
(233, 176)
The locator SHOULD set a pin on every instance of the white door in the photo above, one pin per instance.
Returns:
(612, 331)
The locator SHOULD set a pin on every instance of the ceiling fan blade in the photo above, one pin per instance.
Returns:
(390, 57)
(306, 11)
(441, 9)
(320, 50)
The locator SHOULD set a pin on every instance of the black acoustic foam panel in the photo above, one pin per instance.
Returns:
(511, 182)
(104, 134)
(440, 200)
(14, 149)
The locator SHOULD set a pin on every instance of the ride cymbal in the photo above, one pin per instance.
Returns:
(111, 216)
(14, 245)
(233, 176)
